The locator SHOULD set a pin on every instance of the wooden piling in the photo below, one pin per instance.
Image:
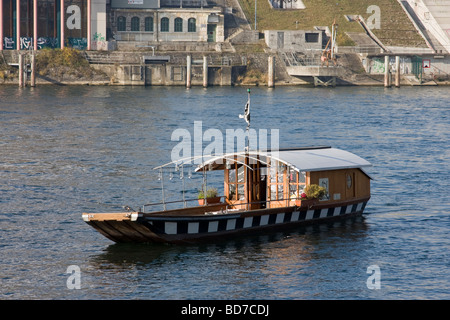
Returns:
(205, 72)
(397, 71)
(386, 72)
(33, 69)
(188, 71)
(271, 73)
(21, 78)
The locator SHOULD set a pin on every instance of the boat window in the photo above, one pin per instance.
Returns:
(241, 174)
(297, 182)
(241, 192)
(236, 182)
(276, 180)
(232, 175)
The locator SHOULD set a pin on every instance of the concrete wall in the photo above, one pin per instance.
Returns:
(439, 66)
(435, 17)
(168, 74)
(294, 40)
(98, 25)
(293, 4)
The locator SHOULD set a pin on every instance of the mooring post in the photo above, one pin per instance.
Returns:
(397, 71)
(205, 72)
(386, 71)
(188, 71)
(271, 69)
(21, 80)
(33, 69)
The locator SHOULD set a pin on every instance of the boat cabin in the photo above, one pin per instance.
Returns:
(272, 179)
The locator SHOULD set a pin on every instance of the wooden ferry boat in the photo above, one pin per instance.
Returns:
(262, 192)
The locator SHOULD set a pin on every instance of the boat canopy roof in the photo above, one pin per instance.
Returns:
(302, 159)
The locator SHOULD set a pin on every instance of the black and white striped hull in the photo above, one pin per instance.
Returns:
(142, 227)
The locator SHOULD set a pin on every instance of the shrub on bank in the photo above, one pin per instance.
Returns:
(66, 62)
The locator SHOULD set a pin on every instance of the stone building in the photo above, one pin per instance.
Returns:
(166, 20)
(97, 24)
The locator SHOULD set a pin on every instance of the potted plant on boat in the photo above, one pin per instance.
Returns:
(310, 196)
(211, 196)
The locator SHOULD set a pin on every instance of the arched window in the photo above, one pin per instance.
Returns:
(135, 24)
(165, 25)
(149, 24)
(191, 25)
(178, 25)
(121, 23)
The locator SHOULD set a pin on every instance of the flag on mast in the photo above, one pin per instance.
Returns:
(246, 114)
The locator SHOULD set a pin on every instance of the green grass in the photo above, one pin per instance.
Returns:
(396, 29)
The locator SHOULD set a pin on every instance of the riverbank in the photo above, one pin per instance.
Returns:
(247, 66)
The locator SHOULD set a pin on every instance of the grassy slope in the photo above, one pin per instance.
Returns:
(396, 29)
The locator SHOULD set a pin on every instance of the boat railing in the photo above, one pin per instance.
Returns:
(228, 206)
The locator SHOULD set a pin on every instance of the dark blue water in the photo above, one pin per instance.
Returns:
(68, 150)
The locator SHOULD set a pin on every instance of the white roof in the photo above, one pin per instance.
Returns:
(303, 159)
(319, 159)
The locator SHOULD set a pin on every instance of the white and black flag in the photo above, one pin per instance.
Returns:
(246, 114)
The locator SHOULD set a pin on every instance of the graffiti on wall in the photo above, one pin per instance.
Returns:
(77, 43)
(99, 42)
(377, 65)
(26, 43)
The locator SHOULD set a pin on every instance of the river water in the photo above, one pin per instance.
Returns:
(68, 150)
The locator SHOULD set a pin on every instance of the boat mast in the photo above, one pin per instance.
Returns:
(246, 117)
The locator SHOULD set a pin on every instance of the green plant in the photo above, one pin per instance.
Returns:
(210, 193)
(314, 191)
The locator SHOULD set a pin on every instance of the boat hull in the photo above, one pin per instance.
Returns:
(150, 228)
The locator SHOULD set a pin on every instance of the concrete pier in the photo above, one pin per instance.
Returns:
(387, 75)
(205, 72)
(21, 72)
(397, 71)
(33, 69)
(271, 72)
(188, 71)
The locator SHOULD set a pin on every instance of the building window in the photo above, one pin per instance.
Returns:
(149, 24)
(135, 24)
(312, 37)
(121, 23)
(191, 25)
(178, 25)
(165, 25)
